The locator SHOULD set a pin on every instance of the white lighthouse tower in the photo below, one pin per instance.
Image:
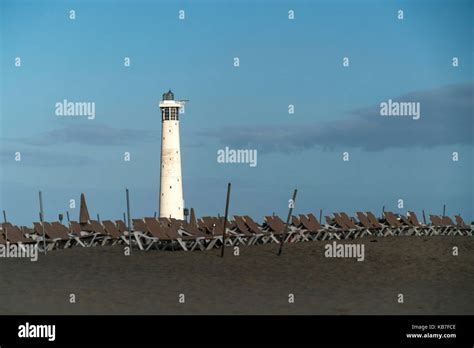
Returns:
(171, 187)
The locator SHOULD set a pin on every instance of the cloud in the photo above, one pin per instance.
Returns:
(90, 134)
(37, 158)
(446, 119)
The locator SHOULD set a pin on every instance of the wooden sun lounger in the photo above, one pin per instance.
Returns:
(462, 226)
(296, 221)
(420, 229)
(54, 238)
(396, 226)
(13, 234)
(254, 228)
(202, 239)
(172, 230)
(145, 238)
(114, 233)
(382, 230)
(355, 231)
(102, 236)
(277, 227)
(440, 226)
(251, 238)
(233, 235)
(84, 233)
(313, 227)
(452, 227)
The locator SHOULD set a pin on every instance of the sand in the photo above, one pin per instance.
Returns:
(104, 281)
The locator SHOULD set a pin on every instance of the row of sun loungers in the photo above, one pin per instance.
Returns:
(206, 233)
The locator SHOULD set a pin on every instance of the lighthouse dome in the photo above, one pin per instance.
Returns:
(168, 95)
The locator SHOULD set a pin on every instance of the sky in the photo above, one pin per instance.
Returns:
(282, 62)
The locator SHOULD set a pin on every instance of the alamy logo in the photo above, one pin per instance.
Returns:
(68, 108)
(37, 331)
(237, 156)
(345, 250)
(393, 108)
(19, 251)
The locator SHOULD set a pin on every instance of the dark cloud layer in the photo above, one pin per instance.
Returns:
(90, 134)
(446, 119)
(37, 158)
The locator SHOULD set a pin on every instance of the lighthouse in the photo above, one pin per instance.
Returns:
(171, 187)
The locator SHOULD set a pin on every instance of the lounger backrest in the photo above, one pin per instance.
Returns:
(392, 219)
(339, 221)
(139, 225)
(295, 221)
(75, 227)
(314, 223)
(156, 228)
(111, 229)
(373, 220)
(240, 223)
(50, 232)
(446, 220)
(306, 223)
(414, 219)
(172, 231)
(460, 222)
(13, 234)
(60, 230)
(37, 228)
(252, 225)
(121, 226)
(347, 220)
(275, 225)
(436, 221)
(190, 228)
(97, 227)
(364, 220)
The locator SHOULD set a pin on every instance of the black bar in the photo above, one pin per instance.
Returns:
(338, 329)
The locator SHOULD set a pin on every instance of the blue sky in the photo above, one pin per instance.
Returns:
(282, 62)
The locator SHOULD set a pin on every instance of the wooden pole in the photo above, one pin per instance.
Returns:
(4, 216)
(42, 219)
(291, 206)
(67, 215)
(424, 217)
(444, 210)
(225, 219)
(129, 228)
(320, 215)
(98, 217)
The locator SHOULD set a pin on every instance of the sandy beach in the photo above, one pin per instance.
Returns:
(104, 281)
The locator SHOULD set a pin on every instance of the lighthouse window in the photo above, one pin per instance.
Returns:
(174, 114)
(166, 114)
(170, 187)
